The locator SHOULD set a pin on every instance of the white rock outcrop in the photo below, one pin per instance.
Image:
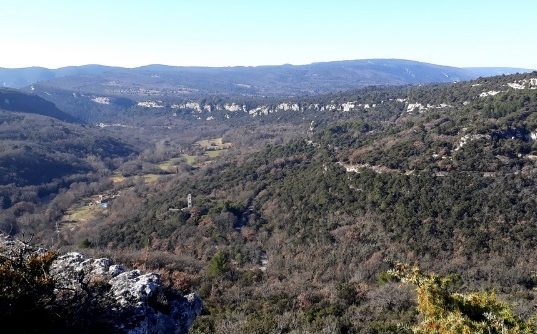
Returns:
(469, 138)
(124, 301)
(131, 292)
(348, 106)
(489, 93)
(233, 107)
(516, 85)
(151, 104)
(413, 106)
(101, 100)
(288, 107)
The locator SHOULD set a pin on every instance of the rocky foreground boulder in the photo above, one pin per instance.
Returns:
(72, 292)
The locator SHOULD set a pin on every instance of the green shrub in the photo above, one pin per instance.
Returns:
(219, 266)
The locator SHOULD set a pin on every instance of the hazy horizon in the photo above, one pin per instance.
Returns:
(265, 65)
(62, 33)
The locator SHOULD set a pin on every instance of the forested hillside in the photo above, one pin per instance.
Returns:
(299, 236)
(14, 100)
(42, 157)
(300, 212)
(36, 149)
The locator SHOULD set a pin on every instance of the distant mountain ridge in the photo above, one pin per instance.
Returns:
(494, 71)
(275, 80)
(21, 77)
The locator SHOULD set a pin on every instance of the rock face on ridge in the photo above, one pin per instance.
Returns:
(121, 301)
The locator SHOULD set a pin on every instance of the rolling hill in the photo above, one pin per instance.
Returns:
(14, 100)
(280, 80)
(37, 145)
(20, 77)
(438, 175)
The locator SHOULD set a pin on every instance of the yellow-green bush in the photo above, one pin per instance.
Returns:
(444, 311)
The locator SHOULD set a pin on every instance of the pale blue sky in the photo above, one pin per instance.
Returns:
(56, 33)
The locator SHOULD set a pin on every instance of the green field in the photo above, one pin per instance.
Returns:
(190, 159)
(213, 144)
(150, 178)
(168, 164)
(117, 178)
(215, 153)
(82, 213)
